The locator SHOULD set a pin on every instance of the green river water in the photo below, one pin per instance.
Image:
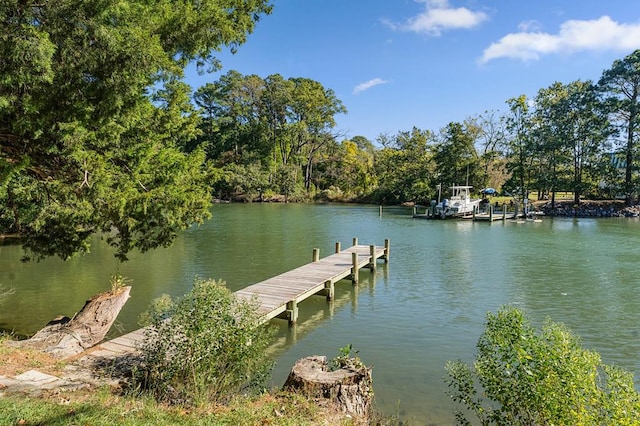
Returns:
(407, 319)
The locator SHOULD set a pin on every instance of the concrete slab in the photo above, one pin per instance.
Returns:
(6, 382)
(36, 377)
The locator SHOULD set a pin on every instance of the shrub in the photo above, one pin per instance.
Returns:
(345, 359)
(530, 378)
(204, 347)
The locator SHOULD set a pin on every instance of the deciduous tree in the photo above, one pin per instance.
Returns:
(519, 146)
(404, 167)
(620, 85)
(456, 157)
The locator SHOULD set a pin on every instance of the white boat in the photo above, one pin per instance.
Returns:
(460, 203)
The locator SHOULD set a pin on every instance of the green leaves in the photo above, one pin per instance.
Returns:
(205, 346)
(546, 377)
(456, 157)
(405, 167)
(95, 124)
(284, 124)
(620, 85)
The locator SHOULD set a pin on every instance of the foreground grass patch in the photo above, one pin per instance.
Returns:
(104, 408)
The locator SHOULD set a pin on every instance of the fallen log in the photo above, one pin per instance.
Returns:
(349, 389)
(63, 337)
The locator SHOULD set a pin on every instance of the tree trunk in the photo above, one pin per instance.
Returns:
(64, 337)
(628, 176)
(348, 389)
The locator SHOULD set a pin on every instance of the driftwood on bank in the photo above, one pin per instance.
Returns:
(349, 389)
(64, 337)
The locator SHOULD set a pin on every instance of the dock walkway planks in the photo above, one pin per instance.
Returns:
(494, 216)
(278, 295)
(489, 215)
(281, 294)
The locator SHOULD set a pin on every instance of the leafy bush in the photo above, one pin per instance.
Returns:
(346, 360)
(204, 347)
(545, 378)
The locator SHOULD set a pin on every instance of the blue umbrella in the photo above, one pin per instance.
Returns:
(489, 191)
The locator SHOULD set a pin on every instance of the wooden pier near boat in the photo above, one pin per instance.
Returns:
(278, 296)
(491, 214)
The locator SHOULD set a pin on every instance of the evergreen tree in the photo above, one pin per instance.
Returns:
(94, 127)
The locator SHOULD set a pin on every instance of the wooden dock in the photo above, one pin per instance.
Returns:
(491, 214)
(278, 296)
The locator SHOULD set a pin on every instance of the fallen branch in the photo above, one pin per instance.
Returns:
(63, 337)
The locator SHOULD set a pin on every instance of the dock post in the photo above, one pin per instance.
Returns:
(354, 268)
(329, 289)
(372, 253)
(474, 212)
(316, 254)
(387, 246)
(337, 246)
(504, 211)
(292, 311)
(490, 213)
(380, 210)
(355, 241)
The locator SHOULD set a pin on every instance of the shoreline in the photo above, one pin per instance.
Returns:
(588, 209)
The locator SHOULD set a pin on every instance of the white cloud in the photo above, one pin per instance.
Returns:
(600, 34)
(439, 16)
(368, 85)
(529, 26)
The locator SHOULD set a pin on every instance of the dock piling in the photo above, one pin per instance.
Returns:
(337, 246)
(292, 311)
(354, 268)
(329, 289)
(387, 247)
(372, 253)
(316, 254)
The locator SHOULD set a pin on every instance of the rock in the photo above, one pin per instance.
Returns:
(588, 208)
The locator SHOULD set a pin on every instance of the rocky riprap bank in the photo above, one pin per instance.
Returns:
(609, 208)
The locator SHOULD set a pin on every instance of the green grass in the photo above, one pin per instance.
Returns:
(104, 408)
(110, 407)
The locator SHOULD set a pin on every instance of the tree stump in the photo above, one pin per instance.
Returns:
(349, 388)
(63, 337)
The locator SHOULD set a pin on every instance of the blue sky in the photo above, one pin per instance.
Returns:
(396, 64)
